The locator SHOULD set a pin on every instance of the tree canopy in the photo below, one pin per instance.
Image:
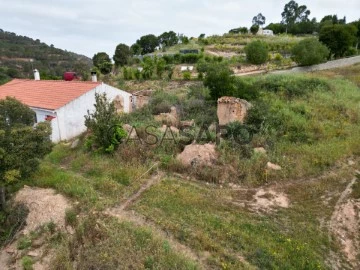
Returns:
(102, 61)
(339, 38)
(259, 20)
(168, 39)
(122, 54)
(294, 13)
(148, 43)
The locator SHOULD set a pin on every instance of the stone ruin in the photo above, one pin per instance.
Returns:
(141, 98)
(231, 109)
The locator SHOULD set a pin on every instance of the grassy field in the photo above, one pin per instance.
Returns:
(313, 136)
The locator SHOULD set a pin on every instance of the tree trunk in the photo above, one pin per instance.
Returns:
(2, 197)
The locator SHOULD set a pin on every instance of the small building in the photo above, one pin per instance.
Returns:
(63, 103)
(265, 32)
(186, 68)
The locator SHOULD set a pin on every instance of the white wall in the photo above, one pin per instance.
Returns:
(71, 118)
(41, 117)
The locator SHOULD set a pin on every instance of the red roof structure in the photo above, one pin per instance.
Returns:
(45, 94)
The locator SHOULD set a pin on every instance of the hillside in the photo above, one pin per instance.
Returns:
(17, 52)
(140, 208)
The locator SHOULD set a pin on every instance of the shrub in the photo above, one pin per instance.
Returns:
(256, 52)
(70, 217)
(22, 144)
(187, 75)
(27, 263)
(161, 102)
(245, 90)
(220, 80)
(309, 52)
(105, 124)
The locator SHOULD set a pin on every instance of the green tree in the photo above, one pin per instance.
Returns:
(259, 20)
(104, 125)
(339, 38)
(148, 43)
(357, 25)
(122, 55)
(254, 29)
(102, 61)
(21, 144)
(256, 52)
(184, 39)
(135, 49)
(220, 80)
(309, 52)
(294, 13)
(168, 39)
(277, 28)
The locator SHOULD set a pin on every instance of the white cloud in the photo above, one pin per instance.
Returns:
(89, 26)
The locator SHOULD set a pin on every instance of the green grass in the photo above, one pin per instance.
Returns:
(92, 179)
(202, 219)
(105, 243)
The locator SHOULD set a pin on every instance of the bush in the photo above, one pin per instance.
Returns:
(105, 125)
(161, 102)
(190, 58)
(256, 52)
(220, 80)
(309, 52)
(187, 75)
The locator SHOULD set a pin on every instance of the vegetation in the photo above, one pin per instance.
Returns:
(104, 125)
(102, 61)
(19, 55)
(338, 37)
(21, 145)
(307, 125)
(122, 55)
(256, 52)
(310, 52)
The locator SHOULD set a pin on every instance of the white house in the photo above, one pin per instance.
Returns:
(63, 103)
(265, 32)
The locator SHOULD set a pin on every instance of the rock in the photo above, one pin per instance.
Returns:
(131, 131)
(37, 242)
(272, 166)
(170, 119)
(10, 250)
(198, 155)
(231, 109)
(260, 150)
(167, 129)
(351, 162)
(75, 144)
(185, 124)
(33, 253)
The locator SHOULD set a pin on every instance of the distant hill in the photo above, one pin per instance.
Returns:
(20, 54)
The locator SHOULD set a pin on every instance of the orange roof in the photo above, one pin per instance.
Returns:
(45, 94)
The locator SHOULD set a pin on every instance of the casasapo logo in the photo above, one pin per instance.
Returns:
(155, 136)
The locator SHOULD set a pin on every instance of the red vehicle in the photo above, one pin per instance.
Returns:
(70, 76)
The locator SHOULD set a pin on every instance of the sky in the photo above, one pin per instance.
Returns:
(91, 26)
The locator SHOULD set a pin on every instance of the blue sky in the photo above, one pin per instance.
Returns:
(89, 26)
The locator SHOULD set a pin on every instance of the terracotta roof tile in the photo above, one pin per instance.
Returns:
(45, 94)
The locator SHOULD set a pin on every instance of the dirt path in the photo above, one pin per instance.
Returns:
(344, 228)
(121, 213)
